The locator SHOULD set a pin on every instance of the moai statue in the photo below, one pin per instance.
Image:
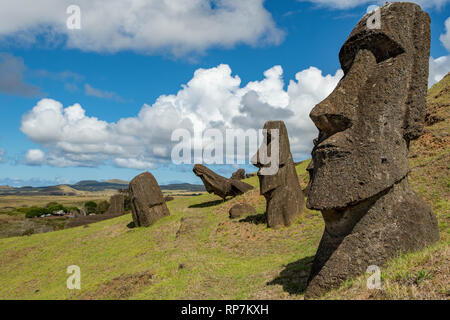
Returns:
(219, 185)
(359, 168)
(281, 188)
(116, 204)
(147, 200)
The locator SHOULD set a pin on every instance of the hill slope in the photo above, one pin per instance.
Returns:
(198, 253)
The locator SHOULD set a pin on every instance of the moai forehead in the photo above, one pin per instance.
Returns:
(402, 29)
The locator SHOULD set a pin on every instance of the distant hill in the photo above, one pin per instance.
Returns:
(81, 187)
(62, 190)
(117, 181)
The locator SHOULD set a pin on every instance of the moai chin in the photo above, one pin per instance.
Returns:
(284, 197)
(359, 167)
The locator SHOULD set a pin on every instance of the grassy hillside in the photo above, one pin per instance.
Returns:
(199, 253)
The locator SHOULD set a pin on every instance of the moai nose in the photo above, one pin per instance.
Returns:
(337, 112)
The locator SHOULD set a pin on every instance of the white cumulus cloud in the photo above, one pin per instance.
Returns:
(439, 67)
(178, 26)
(445, 37)
(35, 157)
(346, 4)
(213, 98)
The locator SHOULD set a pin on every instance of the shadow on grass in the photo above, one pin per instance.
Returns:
(255, 219)
(208, 204)
(294, 276)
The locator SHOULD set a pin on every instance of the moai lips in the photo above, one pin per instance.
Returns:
(359, 168)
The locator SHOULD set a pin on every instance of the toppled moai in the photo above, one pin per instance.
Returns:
(239, 174)
(219, 185)
(147, 201)
(116, 204)
(281, 188)
(359, 168)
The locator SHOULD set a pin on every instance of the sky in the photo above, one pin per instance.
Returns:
(102, 102)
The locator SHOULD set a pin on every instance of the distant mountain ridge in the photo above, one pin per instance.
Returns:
(89, 186)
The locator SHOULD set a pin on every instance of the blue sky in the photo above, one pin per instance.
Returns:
(113, 81)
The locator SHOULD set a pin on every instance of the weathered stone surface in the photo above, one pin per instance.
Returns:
(240, 209)
(116, 204)
(359, 167)
(147, 201)
(284, 197)
(239, 174)
(219, 185)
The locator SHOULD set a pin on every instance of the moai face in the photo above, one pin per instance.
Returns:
(276, 140)
(367, 122)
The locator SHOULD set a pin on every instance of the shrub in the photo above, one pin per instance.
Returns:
(54, 206)
(90, 207)
(102, 207)
(36, 212)
(73, 209)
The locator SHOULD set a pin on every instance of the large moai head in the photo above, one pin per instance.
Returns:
(367, 122)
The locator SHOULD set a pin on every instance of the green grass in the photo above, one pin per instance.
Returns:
(220, 258)
(204, 256)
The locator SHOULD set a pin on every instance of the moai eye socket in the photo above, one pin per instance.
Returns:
(381, 45)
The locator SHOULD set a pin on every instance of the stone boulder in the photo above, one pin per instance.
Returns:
(238, 210)
(359, 167)
(219, 185)
(284, 197)
(147, 201)
(238, 174)
(116, 204)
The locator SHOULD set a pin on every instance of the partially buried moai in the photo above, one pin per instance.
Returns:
(116, 204)
(147, 201)
(359, 168)
(280, 187)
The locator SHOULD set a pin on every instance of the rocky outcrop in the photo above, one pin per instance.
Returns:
(238, 174)
(219, 185)
(238, 210)
(147, 201)
(284, 197)
(359, 167)
(116, 204)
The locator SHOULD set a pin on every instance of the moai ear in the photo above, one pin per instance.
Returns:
(416, 105)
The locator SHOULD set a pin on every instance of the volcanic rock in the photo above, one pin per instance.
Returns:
(240, 209)
(238, 174)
